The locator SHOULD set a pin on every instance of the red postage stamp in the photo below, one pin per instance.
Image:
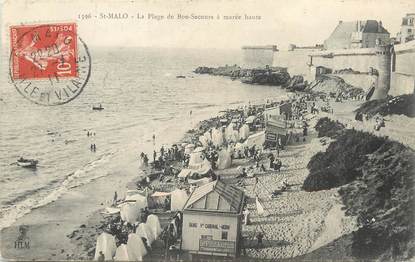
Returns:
(40, 52)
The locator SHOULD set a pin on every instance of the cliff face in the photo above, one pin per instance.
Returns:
(275, 76)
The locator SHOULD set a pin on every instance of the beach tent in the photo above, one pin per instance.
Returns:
(130, 212)
(106, 244)
(231, 134)
(189, 148)
(250, 120)
(139, 199)
(224, 159)
(260, 208)
(196, 160)
(208, 136)
(153, 223)
(217, 137)
(130, 252)
(122, 254)
(204, 141)
(257, 139)
(238, 147)
(178, 199)
(184, 173)
(244, 132)
(144, 230)
(135, 247)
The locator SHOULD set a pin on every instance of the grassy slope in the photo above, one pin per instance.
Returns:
(379, 185)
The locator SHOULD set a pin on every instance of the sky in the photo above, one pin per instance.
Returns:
(302, 22)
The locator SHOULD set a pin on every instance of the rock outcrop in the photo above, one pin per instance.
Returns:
(275, 76)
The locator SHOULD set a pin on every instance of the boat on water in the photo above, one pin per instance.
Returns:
(29, 163)
(97, 107)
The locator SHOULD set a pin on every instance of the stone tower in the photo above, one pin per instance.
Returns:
(383, 54)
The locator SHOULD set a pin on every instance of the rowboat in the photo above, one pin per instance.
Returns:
(29, 163)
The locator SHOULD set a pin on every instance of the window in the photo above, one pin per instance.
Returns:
(409, 30)
(206, 237)
(224, 235)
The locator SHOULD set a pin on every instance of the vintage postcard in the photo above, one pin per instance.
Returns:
(196, 130)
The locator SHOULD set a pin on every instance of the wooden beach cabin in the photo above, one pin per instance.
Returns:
(276, 127)
(212, 220)
(284, 110)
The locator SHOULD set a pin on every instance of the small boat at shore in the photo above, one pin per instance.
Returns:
(28, 163)
(99, 108)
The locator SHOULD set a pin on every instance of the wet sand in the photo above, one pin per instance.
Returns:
(48, 226)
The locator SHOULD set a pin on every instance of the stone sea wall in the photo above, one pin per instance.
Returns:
(403, 69)
(397, 68)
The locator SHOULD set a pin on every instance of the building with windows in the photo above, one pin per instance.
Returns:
(407, 29)
(212, 220)
(357, 34)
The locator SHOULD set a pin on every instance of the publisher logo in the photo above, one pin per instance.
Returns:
(22, 241)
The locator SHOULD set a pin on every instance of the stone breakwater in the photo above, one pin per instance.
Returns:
(274, 76)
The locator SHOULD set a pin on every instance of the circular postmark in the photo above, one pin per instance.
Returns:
(49, 64)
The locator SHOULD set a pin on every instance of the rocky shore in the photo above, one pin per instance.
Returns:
(278, 76)
(274, 76)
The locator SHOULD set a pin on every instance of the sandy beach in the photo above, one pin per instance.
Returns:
(298, 222)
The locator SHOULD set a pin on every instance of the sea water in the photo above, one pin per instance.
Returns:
(141, 97)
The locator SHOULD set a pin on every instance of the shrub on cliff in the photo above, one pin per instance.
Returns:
(342, 161)
(327, 127)
(386, 193)
(399, 105)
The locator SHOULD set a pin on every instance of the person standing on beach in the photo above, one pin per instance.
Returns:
(154, 156)
(271, 161)
(114, 202)
(256, 183)
(259, 237)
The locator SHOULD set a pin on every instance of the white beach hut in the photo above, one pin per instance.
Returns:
(153, 223)
(135, 248)
(224, 159)
(106, 244)
(145, 231)
(196, 159)
(178, 199)
(203, 140)
(244, 132)
(140, 200)
(130, 212)
(217, 137)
